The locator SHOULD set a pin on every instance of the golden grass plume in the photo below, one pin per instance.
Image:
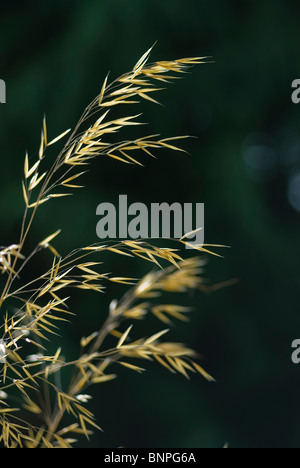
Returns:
(27, 370)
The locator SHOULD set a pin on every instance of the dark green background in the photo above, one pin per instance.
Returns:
(54, 57)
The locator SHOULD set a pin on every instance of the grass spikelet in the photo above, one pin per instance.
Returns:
(43, 302)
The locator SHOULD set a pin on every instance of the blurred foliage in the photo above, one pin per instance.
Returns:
(54, 58)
